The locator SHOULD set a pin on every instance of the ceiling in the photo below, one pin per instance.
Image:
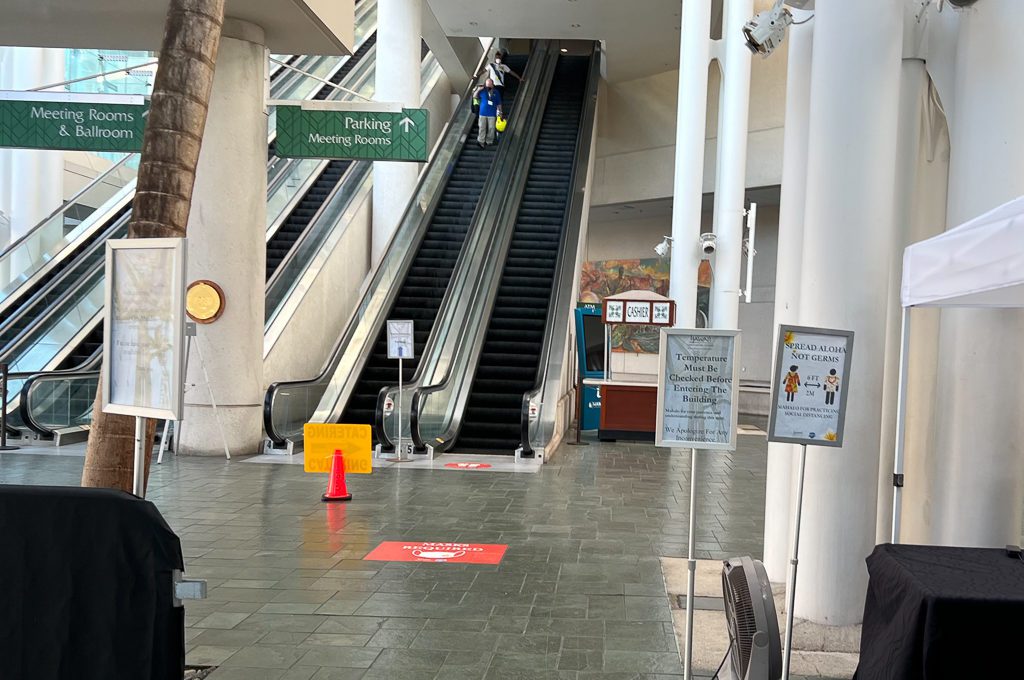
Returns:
(622, 25)
(291, 26)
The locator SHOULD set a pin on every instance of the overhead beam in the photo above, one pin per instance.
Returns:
(457, 56)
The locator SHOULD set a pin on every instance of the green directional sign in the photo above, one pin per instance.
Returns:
(68, 123)
(364, 135)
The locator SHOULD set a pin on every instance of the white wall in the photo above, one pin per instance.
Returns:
(636, 132)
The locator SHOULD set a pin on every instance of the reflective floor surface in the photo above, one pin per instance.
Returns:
(578, 595)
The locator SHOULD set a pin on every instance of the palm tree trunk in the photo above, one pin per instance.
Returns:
(163, 194)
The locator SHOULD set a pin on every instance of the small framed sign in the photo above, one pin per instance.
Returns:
(809, 395)
(144, 327)
(401, 341)
(697, 380)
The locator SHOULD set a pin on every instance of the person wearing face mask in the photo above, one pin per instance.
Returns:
(498, 69)
(490, 109)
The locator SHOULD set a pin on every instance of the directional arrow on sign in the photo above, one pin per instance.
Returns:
(407, 123)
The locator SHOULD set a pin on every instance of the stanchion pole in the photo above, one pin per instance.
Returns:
(791, 587)
(398, 420)
(4, 446)
(139, 466)
(579, 410)
(691, 567)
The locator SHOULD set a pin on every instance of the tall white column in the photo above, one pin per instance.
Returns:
(731, 168)
(226, 232)
(6, 56)
(397, 80)
(848, 220)
(979, 482)
(913, 93)
(779, 488)
(37, 177)
(688, 180)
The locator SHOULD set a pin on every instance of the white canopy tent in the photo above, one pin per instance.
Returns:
(978, 264)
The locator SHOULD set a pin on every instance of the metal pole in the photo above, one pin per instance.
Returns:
(4, 446)
(94, 76)
(791, 587)
(691, 566)
(213, 402)
(751, 229)
(320, 80)
(163, 443)
(901, 427)
(579, 409)
(139, 465)
(399, 419)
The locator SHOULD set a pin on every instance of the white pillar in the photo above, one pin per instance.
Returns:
(226, 232)
(397, 80)
(913, 93)
(731, 168)
(979, 487)
(37, 177)
(848, 220)
(6, 56)
(688, 181)
(779, 488)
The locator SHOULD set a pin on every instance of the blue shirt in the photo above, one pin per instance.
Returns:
(490, 100)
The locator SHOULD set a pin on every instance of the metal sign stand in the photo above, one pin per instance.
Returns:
(190, 332)
(791, 586)
(691, 568)
(399, 407)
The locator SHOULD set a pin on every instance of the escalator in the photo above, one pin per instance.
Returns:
(509, 360)
(424, 287)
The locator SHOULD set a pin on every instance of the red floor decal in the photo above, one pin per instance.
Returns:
(468, 466)
(461, 553)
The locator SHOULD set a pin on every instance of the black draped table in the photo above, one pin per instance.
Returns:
(935, 613)
(86, 587)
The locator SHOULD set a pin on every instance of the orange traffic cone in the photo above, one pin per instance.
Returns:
(336, 489)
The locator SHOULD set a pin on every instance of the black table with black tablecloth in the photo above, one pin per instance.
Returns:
(935, 613)
(86, 587)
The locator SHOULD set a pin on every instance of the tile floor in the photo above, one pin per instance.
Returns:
(579, 594)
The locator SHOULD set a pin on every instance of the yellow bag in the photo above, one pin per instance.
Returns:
(500, 124)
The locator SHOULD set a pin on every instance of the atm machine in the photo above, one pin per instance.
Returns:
(590, 359)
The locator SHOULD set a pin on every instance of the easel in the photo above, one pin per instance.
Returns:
(190, 332)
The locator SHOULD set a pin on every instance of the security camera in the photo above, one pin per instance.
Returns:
(766, 31)
(707, 243)
(663, 248)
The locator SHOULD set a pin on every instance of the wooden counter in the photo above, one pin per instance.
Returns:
(628, 409)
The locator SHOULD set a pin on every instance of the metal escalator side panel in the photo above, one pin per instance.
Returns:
(536, 433)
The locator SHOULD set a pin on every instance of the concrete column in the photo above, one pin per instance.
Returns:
(849, 219)
(397, 80)
(6, 56)
(37, 177)
(688, 181)
(979, 471)
(913, 94)
(780, 488)
(226, 245)
(731, 167)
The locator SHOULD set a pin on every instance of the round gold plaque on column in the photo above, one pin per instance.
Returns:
(204, 301)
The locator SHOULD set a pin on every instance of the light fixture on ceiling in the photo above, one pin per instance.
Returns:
(563, 50)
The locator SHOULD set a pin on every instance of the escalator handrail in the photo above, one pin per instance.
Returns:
(27, 306)
(563, 282)
(69, 203)
(452, 133)
(482, 297)
(24, 407)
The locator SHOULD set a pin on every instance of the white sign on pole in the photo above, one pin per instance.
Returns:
(401, 342)
(144, 327)
(812, 366)
(697, 380)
